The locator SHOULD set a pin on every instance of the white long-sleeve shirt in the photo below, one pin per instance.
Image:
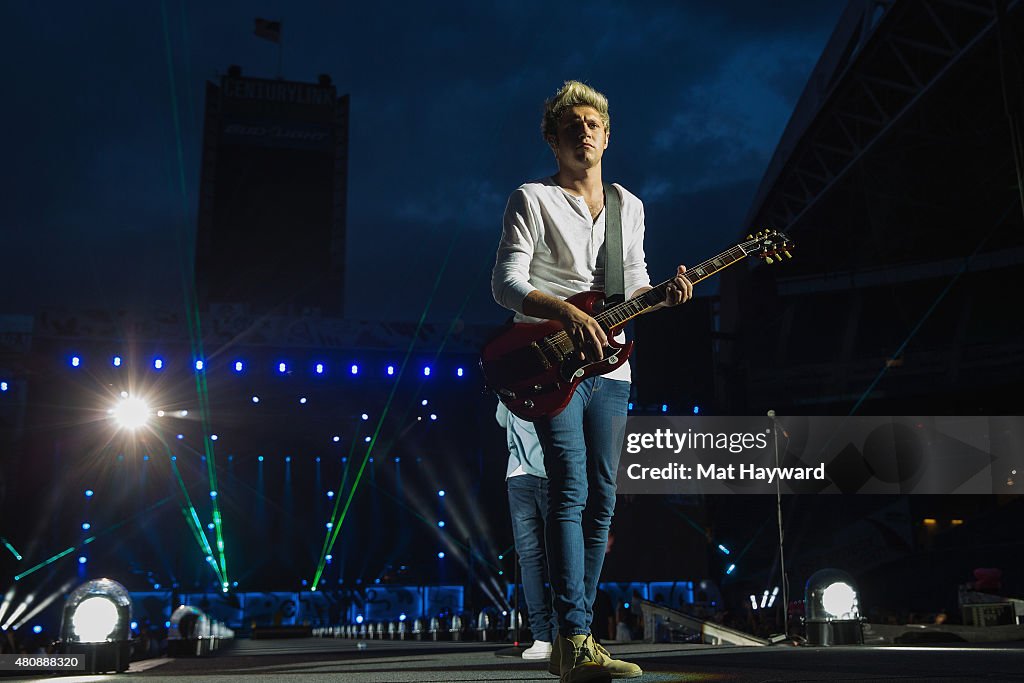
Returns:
(550, 243)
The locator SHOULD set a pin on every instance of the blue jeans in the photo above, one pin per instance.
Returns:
(528, 503)
(581, 456)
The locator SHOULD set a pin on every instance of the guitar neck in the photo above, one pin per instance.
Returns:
(619, 314)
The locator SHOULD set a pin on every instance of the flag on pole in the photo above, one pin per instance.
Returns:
(269, 30)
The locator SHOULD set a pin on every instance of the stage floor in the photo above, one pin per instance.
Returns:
(315, 659)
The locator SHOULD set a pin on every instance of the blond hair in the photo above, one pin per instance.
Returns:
(572, 94)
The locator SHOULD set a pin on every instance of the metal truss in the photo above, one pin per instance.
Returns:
(887, 73)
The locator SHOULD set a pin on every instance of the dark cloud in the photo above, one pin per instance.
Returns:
(104, 126)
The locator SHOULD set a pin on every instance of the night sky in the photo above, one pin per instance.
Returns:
(446, 102)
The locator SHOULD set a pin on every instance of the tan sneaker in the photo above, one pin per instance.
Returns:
(576, 661)
(616, 667)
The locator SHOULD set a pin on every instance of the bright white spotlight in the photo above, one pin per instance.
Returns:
(94, 620)
(131, 413)
(839, 600)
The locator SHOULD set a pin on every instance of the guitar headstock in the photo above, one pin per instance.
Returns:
(769, 244)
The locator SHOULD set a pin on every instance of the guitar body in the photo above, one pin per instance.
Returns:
(536, 377)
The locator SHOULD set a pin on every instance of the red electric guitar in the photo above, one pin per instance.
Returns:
(534, 368)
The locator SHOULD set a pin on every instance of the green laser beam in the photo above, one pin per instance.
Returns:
(10, 547)
(332, 533)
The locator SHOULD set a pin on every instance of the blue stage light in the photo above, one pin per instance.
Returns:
(336, 439)
(423, 402)
(145, 458)
(402, 617)
(441, 523)
(37, 629)
(391, 369)
(696, 410)
(213, 437)
(3, 386)
(317, 459)
(158, 363)
(255, 399)
(174, 458)
(501, 557)
(459, 372)
(134, 625)
(75, 361)
(199, 365)
(82, 560)
(501, 572)
(730, 569)
(625, 605)
(167, 624)
(86, 526)
(329, 558)
(376, 580)
(260, 458)
(282, 367)
(367, 439)
(180, 437)
(210, 526)
(365, 417)
(433, 416)
(213, 494)
(723, 549)
(330, 494)
(426, 371)
(664, 408)
(288, 458)
(117, 361)
(630, 406)
(441, 493)
(319, 368)
(88, 493)
(329, 525)
(398, 460)
(156, 586)
(239, 366)
(234, 584)
(440, 556)
(359, 618)
(354, 369)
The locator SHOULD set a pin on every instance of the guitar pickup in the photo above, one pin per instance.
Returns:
(540, 355)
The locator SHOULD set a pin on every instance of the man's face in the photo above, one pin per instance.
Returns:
(581, 139)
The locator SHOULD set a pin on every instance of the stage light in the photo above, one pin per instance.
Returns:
(664, 408)
(696, 410)
(145, 458)
(365, 417)
(239, 366)
(282, 368)
(288, 458)
(182, 413)
(255, 399)
(330, 494)
(359, 618)
(426, 371)
(329, 558)
(367, 439)
(501, 557)
(117, 361)
(775, 593)
(131, 413)
(302, 400)
(260, 458)
(723, 548)
(433, 416)
(459, 372)
(213, 437)
(199, 365)
(441, 523)
(181, 437)
(354, 369)
(402, 617)
(160, 413)
(833, 609)
(86, 526)
(731, 568)
(423, 402)
(210, 526)
(441, 493)
(135, 626)
(329, 525)
(319, 368)
(391, 369)
(317, 459)
(89, 493)
(82, 560)
(213, 494)
(336, 439)
(158, 363)
(37, 629)
(753, 601)
(95, 623)
(625, 605)
(928, 521)
(75, 361)
(440, 555)
(3, 386)
(156, 586)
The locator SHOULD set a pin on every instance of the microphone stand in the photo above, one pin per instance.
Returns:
(778, 512)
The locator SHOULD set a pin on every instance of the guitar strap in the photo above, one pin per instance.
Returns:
(614, 279)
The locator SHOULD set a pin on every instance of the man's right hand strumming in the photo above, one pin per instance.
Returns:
(587, 335)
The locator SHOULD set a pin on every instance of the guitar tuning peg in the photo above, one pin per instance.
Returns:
(768, 259)
(750, 237)
(786, 252)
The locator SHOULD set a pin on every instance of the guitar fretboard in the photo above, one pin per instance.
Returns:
(619, 314)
